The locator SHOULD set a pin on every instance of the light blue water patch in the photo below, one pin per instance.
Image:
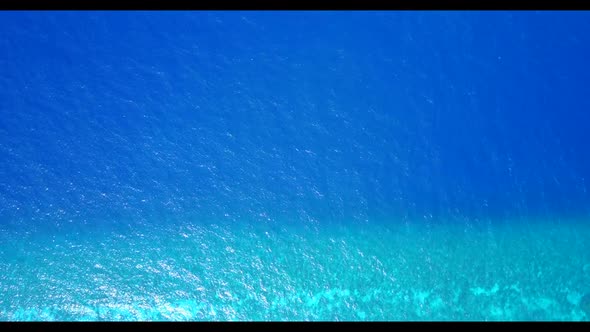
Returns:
(227, 272)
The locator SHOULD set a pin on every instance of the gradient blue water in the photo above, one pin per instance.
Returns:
(294, 165)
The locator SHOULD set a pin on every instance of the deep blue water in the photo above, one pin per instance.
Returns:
(130, 122)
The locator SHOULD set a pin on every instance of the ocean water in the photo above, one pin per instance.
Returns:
(293, 166)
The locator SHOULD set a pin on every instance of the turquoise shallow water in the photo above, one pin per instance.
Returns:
(198, 271)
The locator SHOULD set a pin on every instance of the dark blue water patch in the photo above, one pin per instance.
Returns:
(293, 116)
